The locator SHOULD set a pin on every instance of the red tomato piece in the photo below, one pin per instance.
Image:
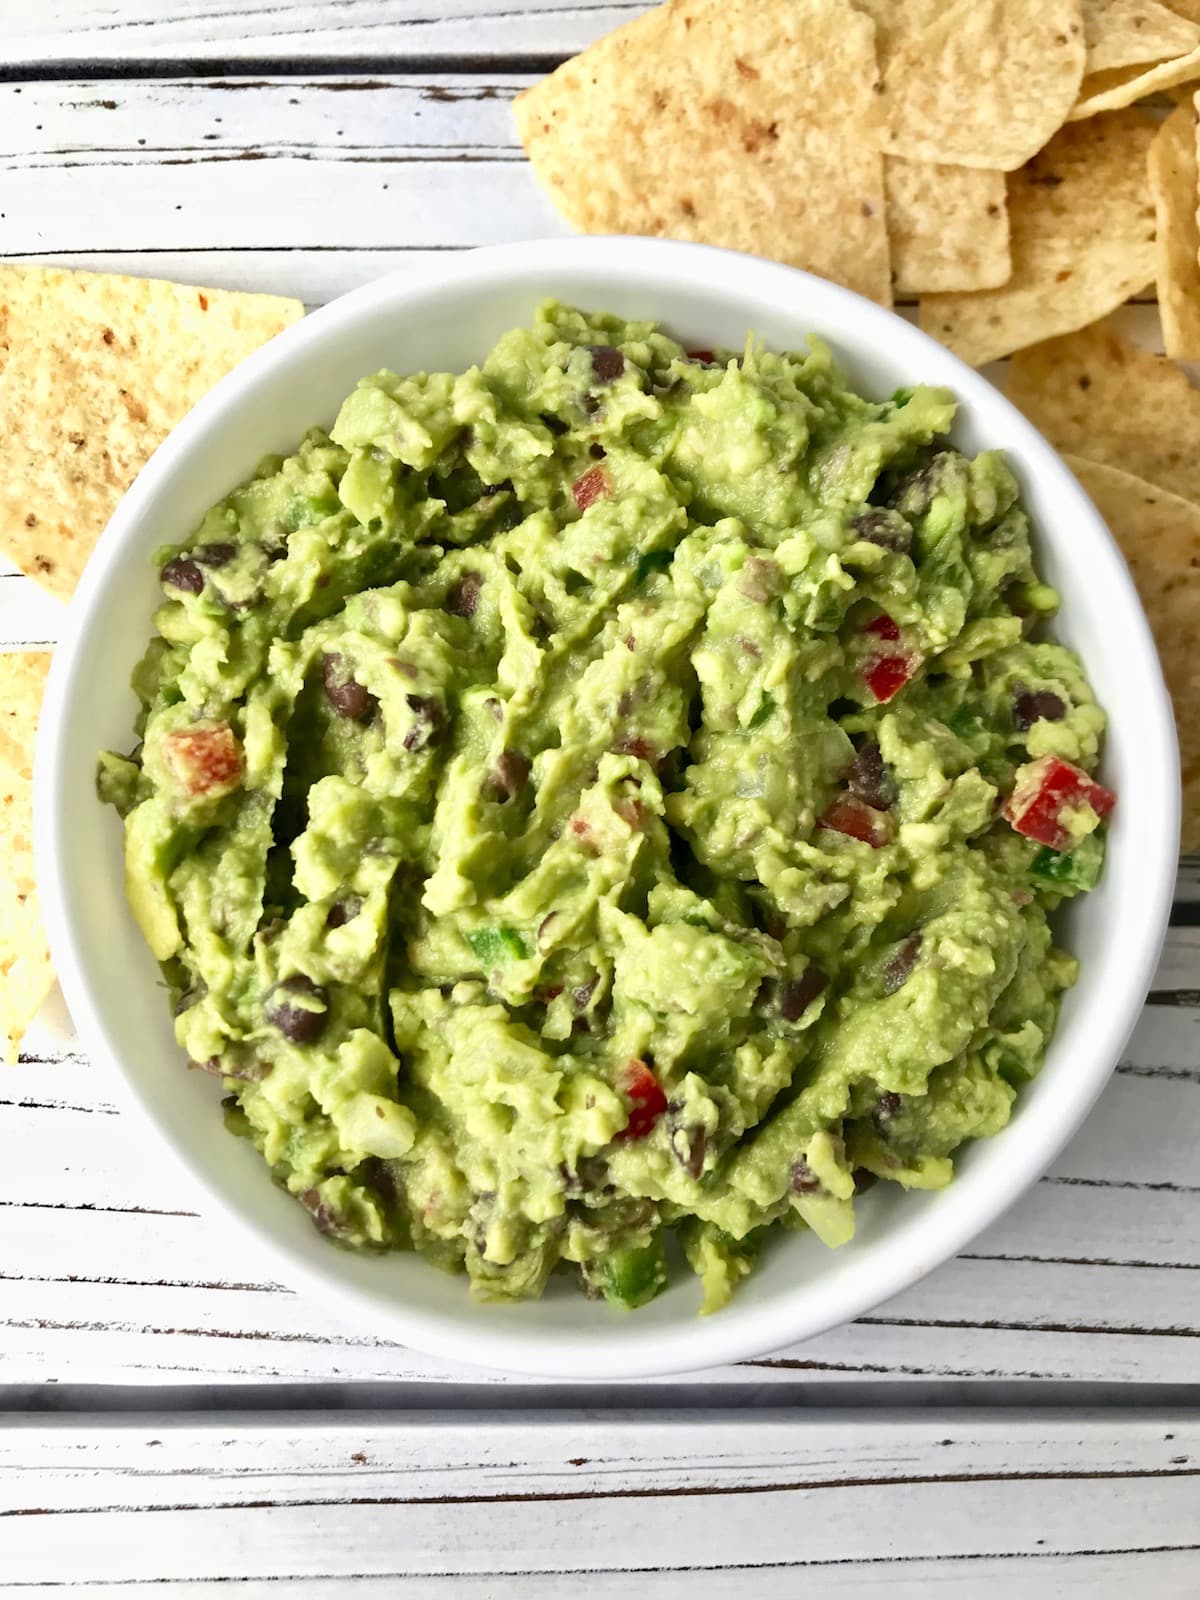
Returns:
(887, 675)
(855, 818)
(706, 356)
(884, 627)
(204, 759)
(1044, 791)
(649, 1101)
(594, 485)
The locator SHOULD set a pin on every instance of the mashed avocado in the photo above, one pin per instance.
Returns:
(611, 793)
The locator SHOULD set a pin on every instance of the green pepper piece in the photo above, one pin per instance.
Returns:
(630, 1277)
(494, 946)
(1073, 871)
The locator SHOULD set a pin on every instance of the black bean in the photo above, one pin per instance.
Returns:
(688, 1146)
(797, 994)
(428, 713)
(608, 364)
(183, 574)
(803, 1179)
(899, 966)
(348, 698)
(214, 555)
(343, 911)
(555, 424)
(888, 1105)
(325, 1218)
(510, 775)
(597, 452)
(869, 780)
(1036, 705)
(582, 996)
(882, 526)
(302, 1024)
(381, 1177)
(463, 598)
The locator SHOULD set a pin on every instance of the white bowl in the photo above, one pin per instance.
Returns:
(448, 317)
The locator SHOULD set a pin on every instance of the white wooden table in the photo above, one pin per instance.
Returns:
(1025, 1421)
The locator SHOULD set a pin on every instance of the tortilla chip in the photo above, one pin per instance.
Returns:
(1082, 242)
(1096, 395)
(1110, 91)
(1173, 183)
(25, 971)
(95, 371)
(1125, 33)
(948, 227)
(746, 123)
(978, 83)
(1159, 533)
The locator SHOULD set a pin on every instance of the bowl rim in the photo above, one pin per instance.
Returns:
(703, 1343)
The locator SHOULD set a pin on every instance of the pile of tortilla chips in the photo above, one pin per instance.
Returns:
(985, 156)
(94, 373)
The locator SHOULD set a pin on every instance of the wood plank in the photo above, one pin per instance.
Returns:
(44, 32)
(1164, 1574)
(781, 1493)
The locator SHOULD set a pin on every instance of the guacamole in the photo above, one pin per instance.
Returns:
(613, 794)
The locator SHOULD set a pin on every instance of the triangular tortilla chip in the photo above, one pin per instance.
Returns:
(95, 371)
(979, 83)
(948, 227)
(1125, 33)
(25, 971)
(746, 123)
(1096, 395)
(1082, 242)
(1173, 183)
(1110, 91)
(1159, 534)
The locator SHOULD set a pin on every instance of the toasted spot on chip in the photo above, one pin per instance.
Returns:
(1082, 230)
(1173, 183)
(25, 971)
(749, 123)
(1159, 533)
(124, 359)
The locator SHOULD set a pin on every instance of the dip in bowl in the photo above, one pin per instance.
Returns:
(618, 796)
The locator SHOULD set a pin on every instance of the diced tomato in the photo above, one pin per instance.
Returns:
(648, 1100)
(853, 817)
(204, 759)
(884, 627)
(1045, 790)
(706, 356)
(594, 485)
(886, 676)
